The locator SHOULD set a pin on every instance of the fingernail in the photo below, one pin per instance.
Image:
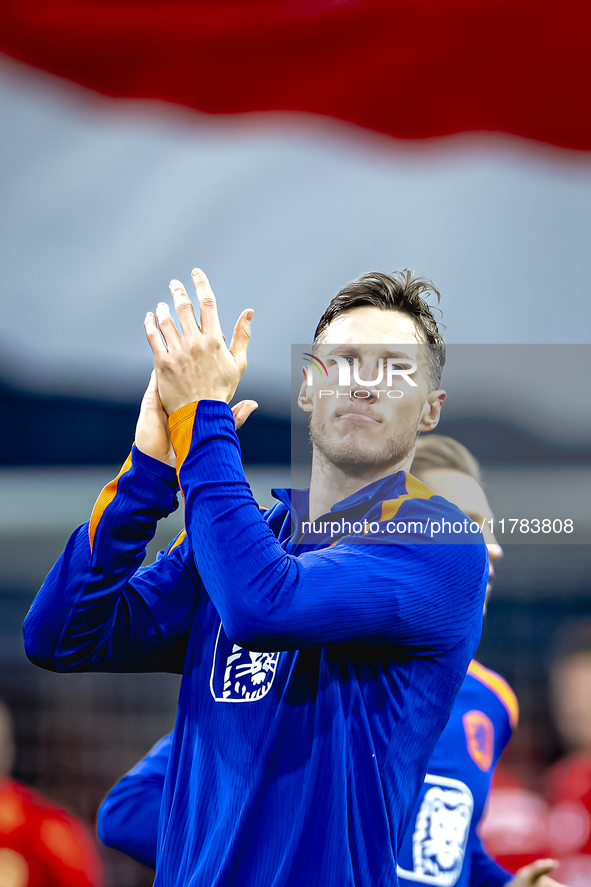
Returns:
(175, 284)
(250, 314)
(196, 272)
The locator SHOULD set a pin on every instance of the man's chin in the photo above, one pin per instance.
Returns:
(356, 457)
(362, 450)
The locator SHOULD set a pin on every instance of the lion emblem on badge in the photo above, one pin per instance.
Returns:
(441, 832)
(240, 675)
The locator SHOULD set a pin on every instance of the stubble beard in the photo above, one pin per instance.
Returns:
(356, 457)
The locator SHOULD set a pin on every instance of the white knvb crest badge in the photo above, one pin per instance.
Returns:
(441, 832)
(240, 675)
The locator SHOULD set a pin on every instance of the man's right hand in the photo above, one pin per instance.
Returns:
(152, 435)
(242, 411)
(535, 875)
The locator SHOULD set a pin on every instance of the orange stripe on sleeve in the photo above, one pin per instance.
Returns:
(415, 489)
(105, 498)
(499, 687)
(181, 431)
(177, 541)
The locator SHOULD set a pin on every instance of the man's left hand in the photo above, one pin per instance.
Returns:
(196, 363)
(537, 874)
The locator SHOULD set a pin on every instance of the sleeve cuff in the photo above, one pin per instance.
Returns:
(147, 463)
(182, 423)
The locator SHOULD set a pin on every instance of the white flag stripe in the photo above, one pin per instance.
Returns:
(106, 200)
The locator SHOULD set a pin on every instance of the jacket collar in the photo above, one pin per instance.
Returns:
(390, 487)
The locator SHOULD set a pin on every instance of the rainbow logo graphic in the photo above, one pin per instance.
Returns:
(317, 363)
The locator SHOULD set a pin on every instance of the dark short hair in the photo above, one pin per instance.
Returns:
(439, 451)
(399, 291)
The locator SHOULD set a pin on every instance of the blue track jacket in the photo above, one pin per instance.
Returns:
(318, 670)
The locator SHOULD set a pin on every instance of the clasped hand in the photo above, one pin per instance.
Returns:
(195, 364)
(191, 365)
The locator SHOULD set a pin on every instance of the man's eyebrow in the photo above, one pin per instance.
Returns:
(393, 352)
(384, 350)
(335, 349)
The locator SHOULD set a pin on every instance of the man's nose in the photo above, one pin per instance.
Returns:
(371, 371)
(362, 395)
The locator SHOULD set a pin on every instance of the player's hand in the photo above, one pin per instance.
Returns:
(152, 434)
(535, 875)
(242, 410)
(195, 363)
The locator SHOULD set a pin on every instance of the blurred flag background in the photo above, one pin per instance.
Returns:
(286, 148)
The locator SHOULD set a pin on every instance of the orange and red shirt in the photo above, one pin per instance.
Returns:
(41, 845)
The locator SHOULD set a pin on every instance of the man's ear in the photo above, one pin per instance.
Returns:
(306, 397)
(431, 412)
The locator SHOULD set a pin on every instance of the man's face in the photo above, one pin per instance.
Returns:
(462, 490)
(360, 426)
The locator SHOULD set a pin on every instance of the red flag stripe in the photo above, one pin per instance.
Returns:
(409, 68)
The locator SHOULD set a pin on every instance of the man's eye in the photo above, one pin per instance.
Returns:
(349, 358)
